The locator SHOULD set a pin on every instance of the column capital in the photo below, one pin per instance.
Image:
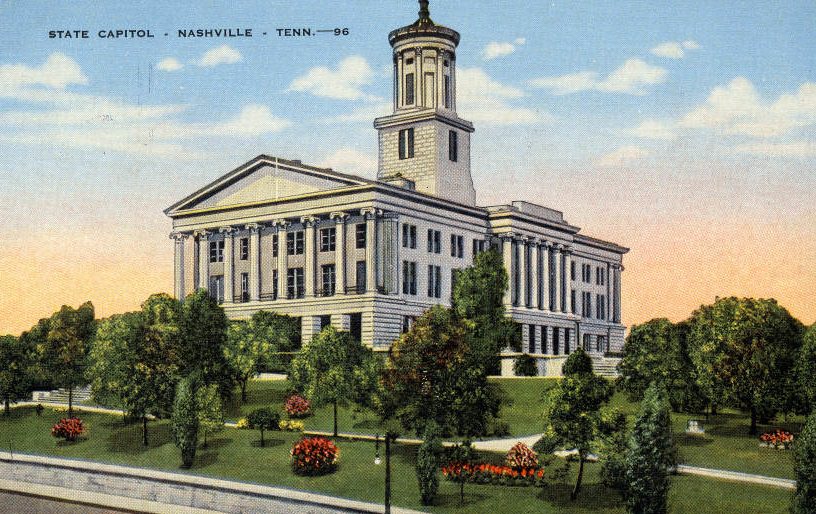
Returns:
(507, 236)
(281, 224)
(371, 212)
(201, 233)
(557, 247)
(178, 236)
(228, 230)
(339, 217)
(309, 221)
(254, 227)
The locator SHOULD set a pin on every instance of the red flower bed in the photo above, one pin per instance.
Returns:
(297, 406)
(68, 429)
(521, 456)
(491, 474)
(314, 456)
(777, 438)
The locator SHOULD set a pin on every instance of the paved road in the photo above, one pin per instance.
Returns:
(22, 504)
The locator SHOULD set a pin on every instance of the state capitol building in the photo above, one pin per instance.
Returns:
(369, 256)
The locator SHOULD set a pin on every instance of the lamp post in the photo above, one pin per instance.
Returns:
(377, 462)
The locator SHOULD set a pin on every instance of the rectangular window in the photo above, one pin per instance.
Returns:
(454, 279)
(434, 241)
(531, 345)
(573, 267)
(544, 339)
(587, 342)
(217, 251)
(295, 242)
(601, 344)
(409, 236)
(407, 323)
(409, 89)
(457, 246)
(447, 92)
(406, 143)
(566, 341)
(360, 235)
(244, 287)
(294, 283)
(328, 283)
(360, 278)
(409, 278)
(573, 294)
(328, 239)
(556, 340)
(275, 280)
(243, 248)
(217, 288)
(478, 246)
(434, 281)
(453, 145)
(275, 241)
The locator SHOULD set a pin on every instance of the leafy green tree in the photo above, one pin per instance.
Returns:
(613, 445)
(16, 359)
(254, 345)
(203, 337)
(66, 346)
(431, 375)
(656, 351)
(651, 455)
(742, 348)
(185, 420)
(324, 369)
(210, 414)
(525, 366)
(111, 357)
(804, 455)
(806, 369)
(37, 339)
(573, 409)
(427, 463)
(263, 419)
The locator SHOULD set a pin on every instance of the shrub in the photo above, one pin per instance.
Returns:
(521, 456)
(525, 366)
(185, 420)
(263, 419)
(804, 468)
(289, 425)
(427, 463)
(314, 456)
(68, 428)
(297, 406)
(243, 424)
(498, 428)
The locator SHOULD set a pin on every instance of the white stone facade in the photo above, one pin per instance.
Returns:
(369, 256)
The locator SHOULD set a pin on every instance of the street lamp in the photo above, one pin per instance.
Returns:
(377, 462)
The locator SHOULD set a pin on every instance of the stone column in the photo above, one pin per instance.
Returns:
(282, 226)
(229, 255)
(340, 251)
(545, 276)
(370, 215)
(523, 264)
(309, 327)
(178, 264)
(203, 277)
(608, 292)
(617, 314)
(341, 322)
(309, 254)
(559, 279)
(507, 254)
(568, 280)
(254, 261)
(535, 254)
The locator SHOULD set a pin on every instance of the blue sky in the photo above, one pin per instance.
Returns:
(629, 116)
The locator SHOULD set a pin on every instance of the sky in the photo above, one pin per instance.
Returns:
(685, 132)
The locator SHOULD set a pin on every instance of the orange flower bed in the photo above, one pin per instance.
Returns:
(483, 473)
(313, 456)
(777, 438)
(68, 428)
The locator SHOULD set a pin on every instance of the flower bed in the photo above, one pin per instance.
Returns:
(314, 456)
(779, 439)
(68, 428)
(242, 424)
(297, 406)
(288, 425)
(484, 473)
(521, 456)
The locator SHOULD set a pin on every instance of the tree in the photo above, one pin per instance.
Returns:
(806, 369)
(324, 370)
(210, 415)
(656, 351)
(15, 370)
(252, 345)
(111, 357)
(742, 348)
(431, 375)
(66, 347)
(525, 366)
(804, 455)
(427, 463)
(651, 455)
(203, 336)
(185, 420)
(612, 448)
(263, 419)
(573, 408)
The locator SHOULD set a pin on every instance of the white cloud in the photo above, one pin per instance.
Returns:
(669, 50)
(485, 100)
(351, 160)
(57, 72)
(737, 108)
(169, 64)
(791, 149)
(254, 120)
(622, 156)
(343, 83)
(495, 49)
(223, 54)
(691, 45)
(655, 129)
(631, 78)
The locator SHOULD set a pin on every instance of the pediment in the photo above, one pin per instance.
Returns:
(265, 180)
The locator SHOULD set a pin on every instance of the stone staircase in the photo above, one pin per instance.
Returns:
(81, 394)
(606, 366)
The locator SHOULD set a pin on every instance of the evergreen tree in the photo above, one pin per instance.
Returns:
(427, 463)
(804, 455)
(185, 420)
(203, 337)
(651, 455)
(806, 370)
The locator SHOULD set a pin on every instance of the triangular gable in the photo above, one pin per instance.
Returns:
(265, 179)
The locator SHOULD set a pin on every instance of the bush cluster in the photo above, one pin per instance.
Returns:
(521, 456)
(68, 428)
(297, 406)
(314, 456)
(288, 425)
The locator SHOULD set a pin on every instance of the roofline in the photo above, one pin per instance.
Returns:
(601, 244)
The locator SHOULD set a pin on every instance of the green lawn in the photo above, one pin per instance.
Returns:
(235, 454)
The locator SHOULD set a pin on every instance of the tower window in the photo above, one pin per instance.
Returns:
(453, 145)
(406, 143)
(447, 92)
(409, 89)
